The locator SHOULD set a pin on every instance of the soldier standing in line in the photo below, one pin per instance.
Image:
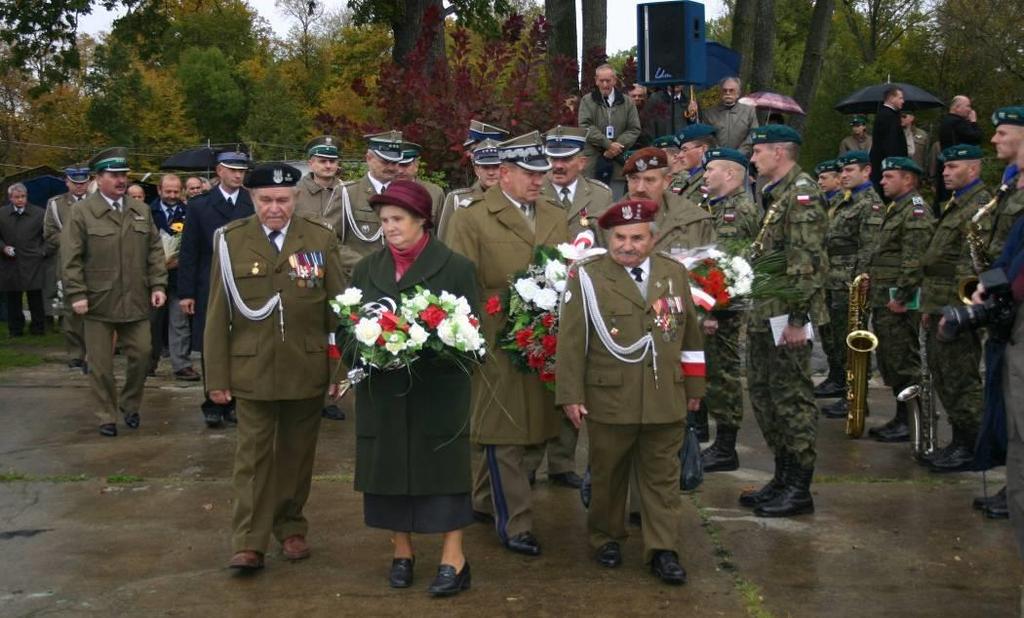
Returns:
(827, 173)
(409, 169)
(481, 145)
(694, 141)
(360, 227)
(859, 139)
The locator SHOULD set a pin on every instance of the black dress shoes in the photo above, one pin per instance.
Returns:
(998, 508)
(332, 413)
(447, 582)
(982, 502)
(839, 409)
(958, 459)
(76, 363)
(108, 430)
(609, 555)
(401, 572)
(665, 565)
(524, 543)
(829, 389)
(566, 479)
(898, 432)
(131, 419)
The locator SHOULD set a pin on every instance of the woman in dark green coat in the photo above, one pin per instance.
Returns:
(412, 424)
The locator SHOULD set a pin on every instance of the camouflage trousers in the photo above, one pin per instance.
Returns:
(956, 377)
(725, 393)
(898, 353)
(782, 395)
(833, 334)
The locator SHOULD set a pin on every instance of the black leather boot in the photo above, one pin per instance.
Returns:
(839, 409)
(771, 489)
(721, 455)
(959, 458)
(896, 430)
(982, 502)
(795, 498)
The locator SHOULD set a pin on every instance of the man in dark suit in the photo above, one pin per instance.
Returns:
(22, 261)
(222, 204)
(957, 126)
(169, 325)
(887, 137)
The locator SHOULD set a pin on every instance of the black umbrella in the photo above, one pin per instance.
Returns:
(192, 160)
(867, 100)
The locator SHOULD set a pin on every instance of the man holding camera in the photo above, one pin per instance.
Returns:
(954, 357)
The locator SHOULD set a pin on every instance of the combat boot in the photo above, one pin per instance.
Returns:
(833, 386)
(795, 498)
(839, 409)
(959, 458)
(771, 489)
(898, 430)
(721, 455)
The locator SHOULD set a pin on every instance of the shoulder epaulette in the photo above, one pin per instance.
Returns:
(668, 256)
(231, 225)
(803, 181)
(917, 200)
(316, 221)
(599, 184)
(468, 201)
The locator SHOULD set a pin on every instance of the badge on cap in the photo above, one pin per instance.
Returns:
(627, 212)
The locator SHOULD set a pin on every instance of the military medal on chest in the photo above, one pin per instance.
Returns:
(665, 310)
(307, 268)
(255, 268)
(584, 221)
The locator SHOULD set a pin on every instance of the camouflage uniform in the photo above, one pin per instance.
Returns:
(736, 219)
(954, 364)
(688, 185)
(896, 263)
(779, 378)
(853, 225)
(1011, 206)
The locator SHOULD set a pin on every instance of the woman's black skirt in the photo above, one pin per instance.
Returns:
(420, 514)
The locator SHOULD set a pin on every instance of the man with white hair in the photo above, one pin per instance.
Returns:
(732, 120)
(612, 123)
(22, 261)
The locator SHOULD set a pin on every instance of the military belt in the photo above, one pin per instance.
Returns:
(940, 270)
(887, 261)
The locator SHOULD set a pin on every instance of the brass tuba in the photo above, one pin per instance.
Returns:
(860, 342)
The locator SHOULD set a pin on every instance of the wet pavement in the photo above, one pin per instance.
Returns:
(139, 526)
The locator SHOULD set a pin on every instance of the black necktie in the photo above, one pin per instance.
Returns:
(230, 201)
(566, 200)
(273, 239)
(638, 274)
(117, 205)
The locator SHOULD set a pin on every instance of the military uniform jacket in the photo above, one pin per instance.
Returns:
(591, 199)
(509, 406)
(852, 230)
(360, 226)
(903, 237)
(58, 209)
(206, 213)
(795, 225)
(27, 269)
(436, 198)
(1005, 214)
(948, 257)
(736, 217)
(689, 187)
(682, 224)
(112, 259)
(253, 358)
(459, 198)
(614, 391)
(851, 143)
(316, 202)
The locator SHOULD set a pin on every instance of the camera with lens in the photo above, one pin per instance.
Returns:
(996, 311)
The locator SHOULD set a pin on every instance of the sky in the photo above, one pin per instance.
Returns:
(621, 19)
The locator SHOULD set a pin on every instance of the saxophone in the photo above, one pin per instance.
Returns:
(860, 342)
(976, 243)
(924, 421)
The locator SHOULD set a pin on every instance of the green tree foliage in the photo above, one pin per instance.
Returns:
(215, 102)
(276, 122)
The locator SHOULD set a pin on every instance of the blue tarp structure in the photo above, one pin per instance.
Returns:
(722, 62)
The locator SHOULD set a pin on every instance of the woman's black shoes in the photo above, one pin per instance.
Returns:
(401, 572)
(448, 582)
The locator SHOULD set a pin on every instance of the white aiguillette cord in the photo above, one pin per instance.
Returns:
(592, 314)
(346, 205)
(227, 275)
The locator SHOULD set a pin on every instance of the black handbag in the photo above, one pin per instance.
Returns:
(691, 473)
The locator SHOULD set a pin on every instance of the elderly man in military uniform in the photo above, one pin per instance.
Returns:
(827, 173)
(512, 410)
(854, 219)
(694, 141)
(224, 203)
(737, 220)
(681, 224)
(630, 363)
(113, 263)
(778, 350)
(317, 196)
(733, 121)
(409, 169)
(23, 261)
(612, 123)
(485, 167)
(58, 211)
(954, 362)
(895, 279)
(360, 228)
(268, 347)
(858, 139)
(583, 199)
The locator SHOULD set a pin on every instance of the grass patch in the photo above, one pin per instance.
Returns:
(12, 477)
(753, 598)
(342, 477)
(26, 351)
(124, 479)
(839, 479)
(20, 477)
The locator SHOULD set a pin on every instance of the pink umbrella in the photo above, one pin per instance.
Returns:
(773, 101)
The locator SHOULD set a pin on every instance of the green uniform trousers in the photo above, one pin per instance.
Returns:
(652, 450)
(133, 338)
(273, 469)
(501, 487)
(833, 334)
(782, 395)
(561, 450)
(724, 368)
(956, 377)
(73, 326)
(899, 350)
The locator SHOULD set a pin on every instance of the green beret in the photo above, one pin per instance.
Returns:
(325, 146)
(666, 141)
(1009, 115)
(696, 131)
(110, 160)
(725, 154)
(860, 157)
(961, 152)
(904, 164)
(830, 165)
(858, 119)
(775, 134)
(272, 175)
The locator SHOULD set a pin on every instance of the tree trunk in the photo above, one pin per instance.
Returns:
(595, 38)
(408, 27)
(814, 55)
(763, 64)
(561, 17)
(743, 35)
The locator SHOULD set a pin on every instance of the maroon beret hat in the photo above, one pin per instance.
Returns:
(627, 212)
(649, 158)
(409, 195)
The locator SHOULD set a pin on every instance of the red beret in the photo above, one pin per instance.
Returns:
(649, 158)
(409, 195)
(628, 212)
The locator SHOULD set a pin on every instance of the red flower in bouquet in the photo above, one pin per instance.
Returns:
(493, 305)
(548, 320)
(432, 316)
(523, 337)
(547, 376)
(549, 343)
(388, 321)
(535, 360)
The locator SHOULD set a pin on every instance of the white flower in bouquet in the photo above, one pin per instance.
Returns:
(367, 331)
(459, 333)
(742, 275)
(527, 289)
(546, 299)
(350, 297)
(554, 271)
(560, 285)
(418, 335)
(395, 343)
(458, 304)
(419, 302)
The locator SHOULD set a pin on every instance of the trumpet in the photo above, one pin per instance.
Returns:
(860, 342)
